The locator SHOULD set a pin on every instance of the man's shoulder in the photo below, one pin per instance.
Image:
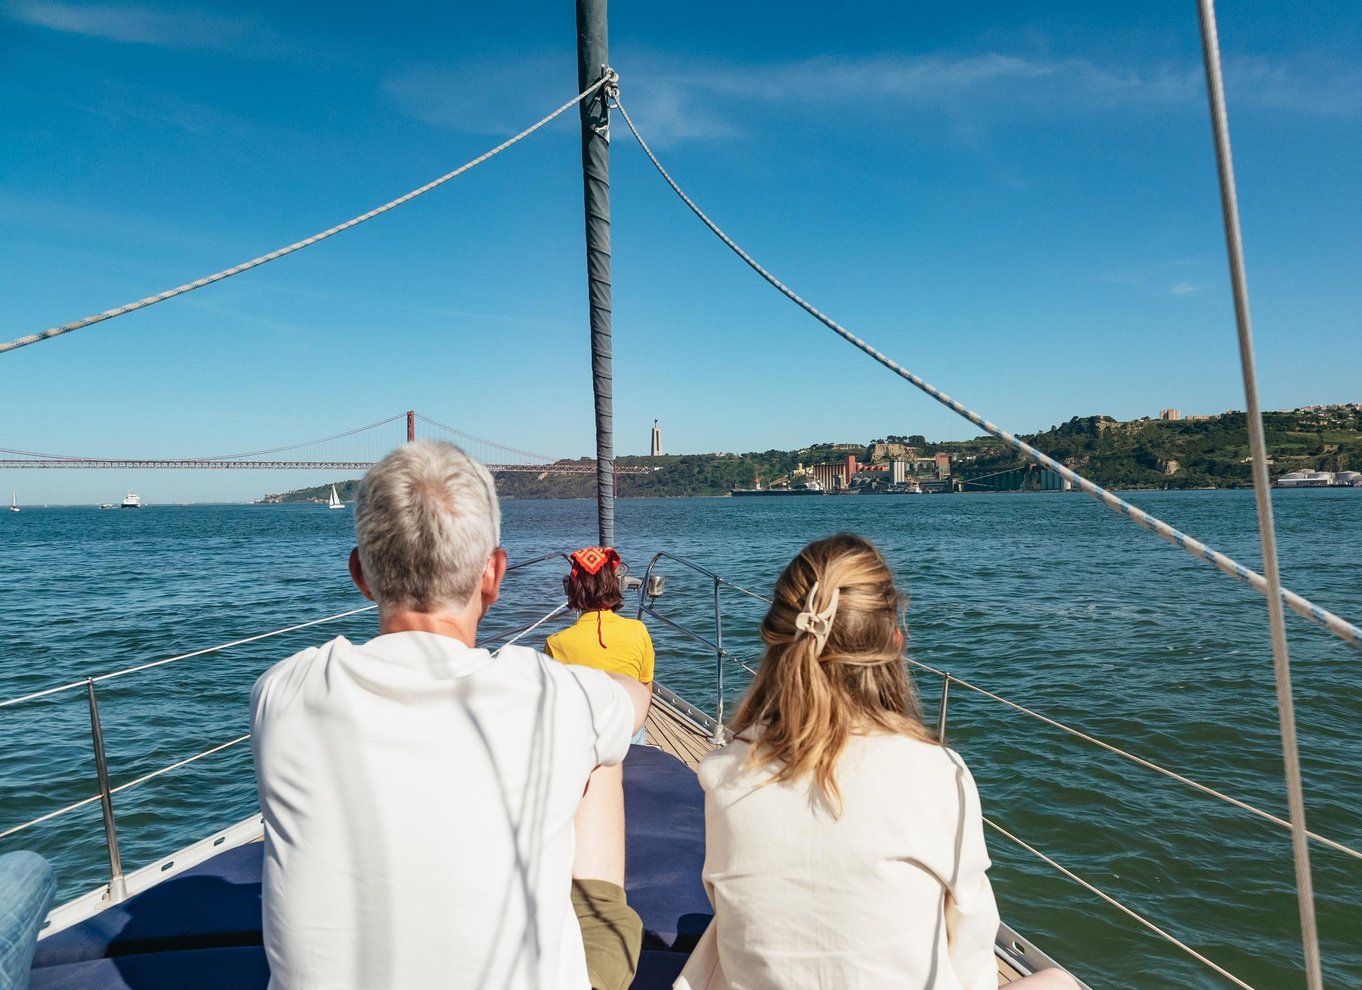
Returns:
(584, 679)
(292, 670)
(527, 659)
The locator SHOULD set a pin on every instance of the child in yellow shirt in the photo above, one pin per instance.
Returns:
(601, 637)
(606, 640)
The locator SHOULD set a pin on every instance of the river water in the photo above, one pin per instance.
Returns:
(1050, 600)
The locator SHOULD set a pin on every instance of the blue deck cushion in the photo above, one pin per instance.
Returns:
(213, 905)
(658, 970)
(664, 812)
(244, 968)
(241, 968)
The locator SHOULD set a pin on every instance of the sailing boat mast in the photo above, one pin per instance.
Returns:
(592, 62)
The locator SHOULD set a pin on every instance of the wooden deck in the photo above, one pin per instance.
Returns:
(675, 734)
(1006, 974)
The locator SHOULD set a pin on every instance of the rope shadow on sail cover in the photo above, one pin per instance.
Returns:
(226, 273)
(1302, 606)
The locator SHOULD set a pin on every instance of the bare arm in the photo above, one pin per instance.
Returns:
(640, 694)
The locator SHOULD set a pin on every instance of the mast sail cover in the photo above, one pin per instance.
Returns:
(592, 61)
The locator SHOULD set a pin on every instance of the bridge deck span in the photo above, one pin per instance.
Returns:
(210, 464)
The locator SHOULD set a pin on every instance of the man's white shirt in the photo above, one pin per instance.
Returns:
(418, 797)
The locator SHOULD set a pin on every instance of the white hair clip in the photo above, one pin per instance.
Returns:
(818, 624)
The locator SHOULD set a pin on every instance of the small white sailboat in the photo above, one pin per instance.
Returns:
(334, 501)
(13, 501)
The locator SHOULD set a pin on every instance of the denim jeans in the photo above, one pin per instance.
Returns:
(26, 888)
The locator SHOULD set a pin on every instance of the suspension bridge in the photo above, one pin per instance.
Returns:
(352, 450)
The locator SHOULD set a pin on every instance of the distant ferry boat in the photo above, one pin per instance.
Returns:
(814, 488)
(782, 492)
(131, 501)
(1320, 479)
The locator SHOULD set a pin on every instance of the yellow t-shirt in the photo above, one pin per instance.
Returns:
(628, 648)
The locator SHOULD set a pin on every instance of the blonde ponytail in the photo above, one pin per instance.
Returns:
(833, 664)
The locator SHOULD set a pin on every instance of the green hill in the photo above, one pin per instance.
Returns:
(1189, 453)
(1197, 452)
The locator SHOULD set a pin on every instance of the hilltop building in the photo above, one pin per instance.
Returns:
(656, 446)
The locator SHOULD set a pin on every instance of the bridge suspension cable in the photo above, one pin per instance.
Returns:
(483, 440)
(133, 307)
(308, 443)
(1302, 606)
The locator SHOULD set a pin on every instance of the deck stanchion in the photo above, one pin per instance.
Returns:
(718, 669)
(945, 704)
(117, 888)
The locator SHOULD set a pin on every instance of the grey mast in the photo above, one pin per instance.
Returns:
(592, 62)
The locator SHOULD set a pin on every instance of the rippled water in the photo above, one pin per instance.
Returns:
(1049, 600)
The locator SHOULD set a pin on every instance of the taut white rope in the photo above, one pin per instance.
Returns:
(558, 610)
(1281, 661)
(1148, 764)
(123, 787)
(182, 763)
(1120, 907)
(1340, 627)
(132, 307)
(184, 656)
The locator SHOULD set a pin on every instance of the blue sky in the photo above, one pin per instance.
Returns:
(1017, 201)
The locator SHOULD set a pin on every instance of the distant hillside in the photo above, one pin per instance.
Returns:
(1189, 453)
(677, 475)
(1197, 452)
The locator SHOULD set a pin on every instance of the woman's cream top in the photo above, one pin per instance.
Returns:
(890, 894)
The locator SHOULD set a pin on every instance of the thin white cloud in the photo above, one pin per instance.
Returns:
(989, 83)
(1171, 276)
(184, 28)
(481, 96)
(678, 99)
(1319, 88)
(139, 25)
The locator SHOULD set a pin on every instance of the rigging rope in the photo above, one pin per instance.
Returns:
(132, 307)
(1141, 761)
(1340, 627)
(183, 656)
(1119, 906)
(1281, 661)
(123, 787)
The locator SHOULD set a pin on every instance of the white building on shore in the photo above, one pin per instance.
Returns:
(1320, 479)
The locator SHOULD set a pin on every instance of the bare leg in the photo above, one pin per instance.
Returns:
(612, 932)
(600, 828)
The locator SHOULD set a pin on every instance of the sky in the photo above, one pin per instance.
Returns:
(1016, 201)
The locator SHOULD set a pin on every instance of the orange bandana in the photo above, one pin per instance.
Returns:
(592, 559)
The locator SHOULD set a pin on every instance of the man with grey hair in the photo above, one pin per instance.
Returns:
(418, 791)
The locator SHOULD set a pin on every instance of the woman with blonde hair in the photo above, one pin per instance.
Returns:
(844, 844)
